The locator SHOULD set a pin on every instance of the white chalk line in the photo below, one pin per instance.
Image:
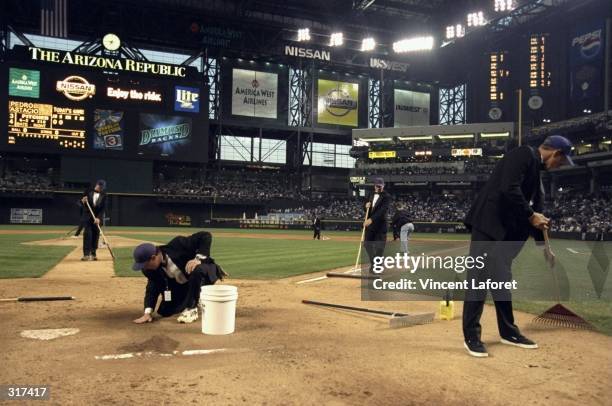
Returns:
(572, 251)
(186, 353)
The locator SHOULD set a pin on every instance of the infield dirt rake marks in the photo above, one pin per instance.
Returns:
(559, 315)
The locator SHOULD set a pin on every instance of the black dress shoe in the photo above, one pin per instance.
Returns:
(476, 348)
(519, 341)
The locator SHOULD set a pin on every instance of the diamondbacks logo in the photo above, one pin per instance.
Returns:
(75, 88)
(589, 43)
(255, 84)
(339, 103)
(187, 99)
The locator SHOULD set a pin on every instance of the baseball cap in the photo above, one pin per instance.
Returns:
(562, 144)
(102, 183)
(142, 254)
(379, 182)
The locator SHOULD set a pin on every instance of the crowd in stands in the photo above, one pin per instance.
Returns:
(24, 181)
(576, 213)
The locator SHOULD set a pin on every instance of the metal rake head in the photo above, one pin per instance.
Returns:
(561, 316)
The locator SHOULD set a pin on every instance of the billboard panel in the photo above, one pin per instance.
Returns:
(24, 83)
(338, 103)
(166, 136)
(108, 130)
(410, 108)
(254, 93)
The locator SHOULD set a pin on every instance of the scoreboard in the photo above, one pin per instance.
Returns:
(47, 125)
(95, 112)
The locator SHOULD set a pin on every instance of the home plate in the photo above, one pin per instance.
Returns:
(49, 334)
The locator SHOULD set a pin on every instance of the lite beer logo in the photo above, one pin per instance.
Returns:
(589, 43)
(165, 134)
(187, 99)
(309, 53)
(339, 103)
(388, 65)
(75, 88)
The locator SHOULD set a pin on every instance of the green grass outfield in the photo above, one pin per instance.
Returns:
(266, 258)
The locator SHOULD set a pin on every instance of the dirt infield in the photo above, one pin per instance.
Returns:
(283, 352)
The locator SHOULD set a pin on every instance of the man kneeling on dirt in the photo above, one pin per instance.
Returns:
(176, 271)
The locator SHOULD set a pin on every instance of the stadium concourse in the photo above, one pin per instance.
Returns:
(365, 202)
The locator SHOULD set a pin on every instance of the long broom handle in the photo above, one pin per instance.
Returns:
(37, 299)
(361, 241)
(93, 216)
(547, 247)
(357, 309)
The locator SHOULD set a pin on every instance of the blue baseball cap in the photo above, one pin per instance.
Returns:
(102, 183)
(142, 254)
(379, 182)
(562, 144)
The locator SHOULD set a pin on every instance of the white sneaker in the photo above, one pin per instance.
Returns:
(188, 315)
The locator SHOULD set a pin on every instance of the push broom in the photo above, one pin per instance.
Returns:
(559, 315)
(356, 268)
(397, 320)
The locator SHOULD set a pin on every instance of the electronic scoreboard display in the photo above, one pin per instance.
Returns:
(52, 127)
(82, 111)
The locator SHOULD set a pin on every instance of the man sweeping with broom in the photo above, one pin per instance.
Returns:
(96, 199)
(505, 213)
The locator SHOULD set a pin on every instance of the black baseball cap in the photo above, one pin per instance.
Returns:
(379, 182)
(142, 254)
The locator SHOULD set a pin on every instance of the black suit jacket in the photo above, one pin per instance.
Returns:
(316, 224)
(378, 213)
(98, 208)
(180, 250)
(502, 208)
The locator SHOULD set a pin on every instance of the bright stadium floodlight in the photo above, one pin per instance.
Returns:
(303, 34)
(476, 19)
(450, 32)
(413, 44)
(495, 135)
(416, 138)
(503, 5)
(336, 39)
(368, 44)
(459, 31)
(455, 136)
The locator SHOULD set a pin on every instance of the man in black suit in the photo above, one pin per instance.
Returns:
(91, 235)
(503, 216)
(176, 271)
(316, 226)
(376, 221)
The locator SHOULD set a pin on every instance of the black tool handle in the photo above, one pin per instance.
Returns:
(358, 309)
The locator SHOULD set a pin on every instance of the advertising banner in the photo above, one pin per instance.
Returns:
(108, 130)
(24, 83)
(410, 108)
(587, 61)
(169, 136)
(254, 93)
(338, 103)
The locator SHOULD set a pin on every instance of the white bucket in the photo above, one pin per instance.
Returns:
(219, 312)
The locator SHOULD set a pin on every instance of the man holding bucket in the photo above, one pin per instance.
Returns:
(176, 271)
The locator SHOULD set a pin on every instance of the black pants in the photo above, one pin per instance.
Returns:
(498, 267)
(82, 225)
(317, 234)
(187, 295)
(91, 235)
(374, 244)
